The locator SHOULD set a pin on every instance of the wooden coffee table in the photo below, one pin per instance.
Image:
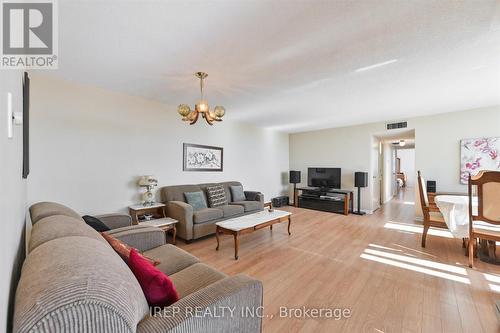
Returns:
(249, 223)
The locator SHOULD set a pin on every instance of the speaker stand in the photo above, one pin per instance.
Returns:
(295, 203)
(359, 212)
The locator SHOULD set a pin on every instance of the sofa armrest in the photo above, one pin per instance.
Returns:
(141, 237)
(183, 213)
(114, 221)
(240, 293)
(254, 196)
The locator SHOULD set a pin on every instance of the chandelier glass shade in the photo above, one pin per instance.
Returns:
(201, 107)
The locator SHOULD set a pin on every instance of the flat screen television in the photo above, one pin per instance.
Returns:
(323, 177)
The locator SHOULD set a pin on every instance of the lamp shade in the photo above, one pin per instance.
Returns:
(202, 106)
(148, 180)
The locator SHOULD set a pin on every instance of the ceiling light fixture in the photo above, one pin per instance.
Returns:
(201, 107)
(400, 143)
(362, 69)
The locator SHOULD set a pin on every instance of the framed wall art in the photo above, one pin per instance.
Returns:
(202, 158)
(478, 154)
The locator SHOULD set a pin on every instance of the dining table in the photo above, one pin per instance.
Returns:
(455, 211)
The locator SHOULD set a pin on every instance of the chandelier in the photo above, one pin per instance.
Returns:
(201, 107)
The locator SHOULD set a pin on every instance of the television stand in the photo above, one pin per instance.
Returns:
(325, 199)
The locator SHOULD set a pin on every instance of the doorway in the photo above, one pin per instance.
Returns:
(376, 180)
(397, 163)
(405, 168)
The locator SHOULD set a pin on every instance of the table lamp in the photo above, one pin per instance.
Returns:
(149, 182)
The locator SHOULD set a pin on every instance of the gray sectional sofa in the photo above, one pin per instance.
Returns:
(195, 224)
(73, 281)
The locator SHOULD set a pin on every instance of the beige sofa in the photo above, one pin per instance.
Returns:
(195, 224)
(73, 281)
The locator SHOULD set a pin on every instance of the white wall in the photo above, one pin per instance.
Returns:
(389, 176)
(407, 165)
(375, 172)
(348, 148)
(437, 147)
(12, 198)
(89, 146)
(437, 140)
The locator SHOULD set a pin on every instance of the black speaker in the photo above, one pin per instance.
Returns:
(294, 177)
(360, 179)
(431, 186)
(280, 201)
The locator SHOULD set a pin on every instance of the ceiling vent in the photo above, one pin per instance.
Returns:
(402, 124)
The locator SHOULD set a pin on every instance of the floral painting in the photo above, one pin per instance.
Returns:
(478, 154)
(202, 158)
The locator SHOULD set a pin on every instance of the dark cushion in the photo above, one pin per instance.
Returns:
(196, 199)
(216, 196)
(249, 205)
(238, 193)
(95, 223)
(207, 214)
(251, 195)
(232, 210)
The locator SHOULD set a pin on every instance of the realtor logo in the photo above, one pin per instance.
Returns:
(29, 34)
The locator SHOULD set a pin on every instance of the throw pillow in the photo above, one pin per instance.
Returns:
(95, 223)
(252, 196)
(124, 250)
(216, 196)
(156, 285)
(238, 194)
(196, 199)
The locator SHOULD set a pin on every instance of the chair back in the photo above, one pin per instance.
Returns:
(424, 198)
(486, 185)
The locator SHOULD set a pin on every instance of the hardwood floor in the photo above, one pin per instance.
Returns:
(372, 265)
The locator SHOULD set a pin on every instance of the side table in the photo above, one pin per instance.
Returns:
(157, 218)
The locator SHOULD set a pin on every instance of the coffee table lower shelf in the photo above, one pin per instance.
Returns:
(237, 233)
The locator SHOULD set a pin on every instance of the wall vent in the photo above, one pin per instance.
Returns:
(402, 124)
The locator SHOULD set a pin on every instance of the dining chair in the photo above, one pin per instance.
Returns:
(432, 214)
(485, 223)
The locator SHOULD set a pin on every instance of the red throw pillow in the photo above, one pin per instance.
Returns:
(156, 285)
(123, 249)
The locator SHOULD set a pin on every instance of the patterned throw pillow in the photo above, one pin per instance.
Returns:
(216, 196)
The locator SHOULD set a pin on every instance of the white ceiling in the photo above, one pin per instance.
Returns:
(289, 65)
